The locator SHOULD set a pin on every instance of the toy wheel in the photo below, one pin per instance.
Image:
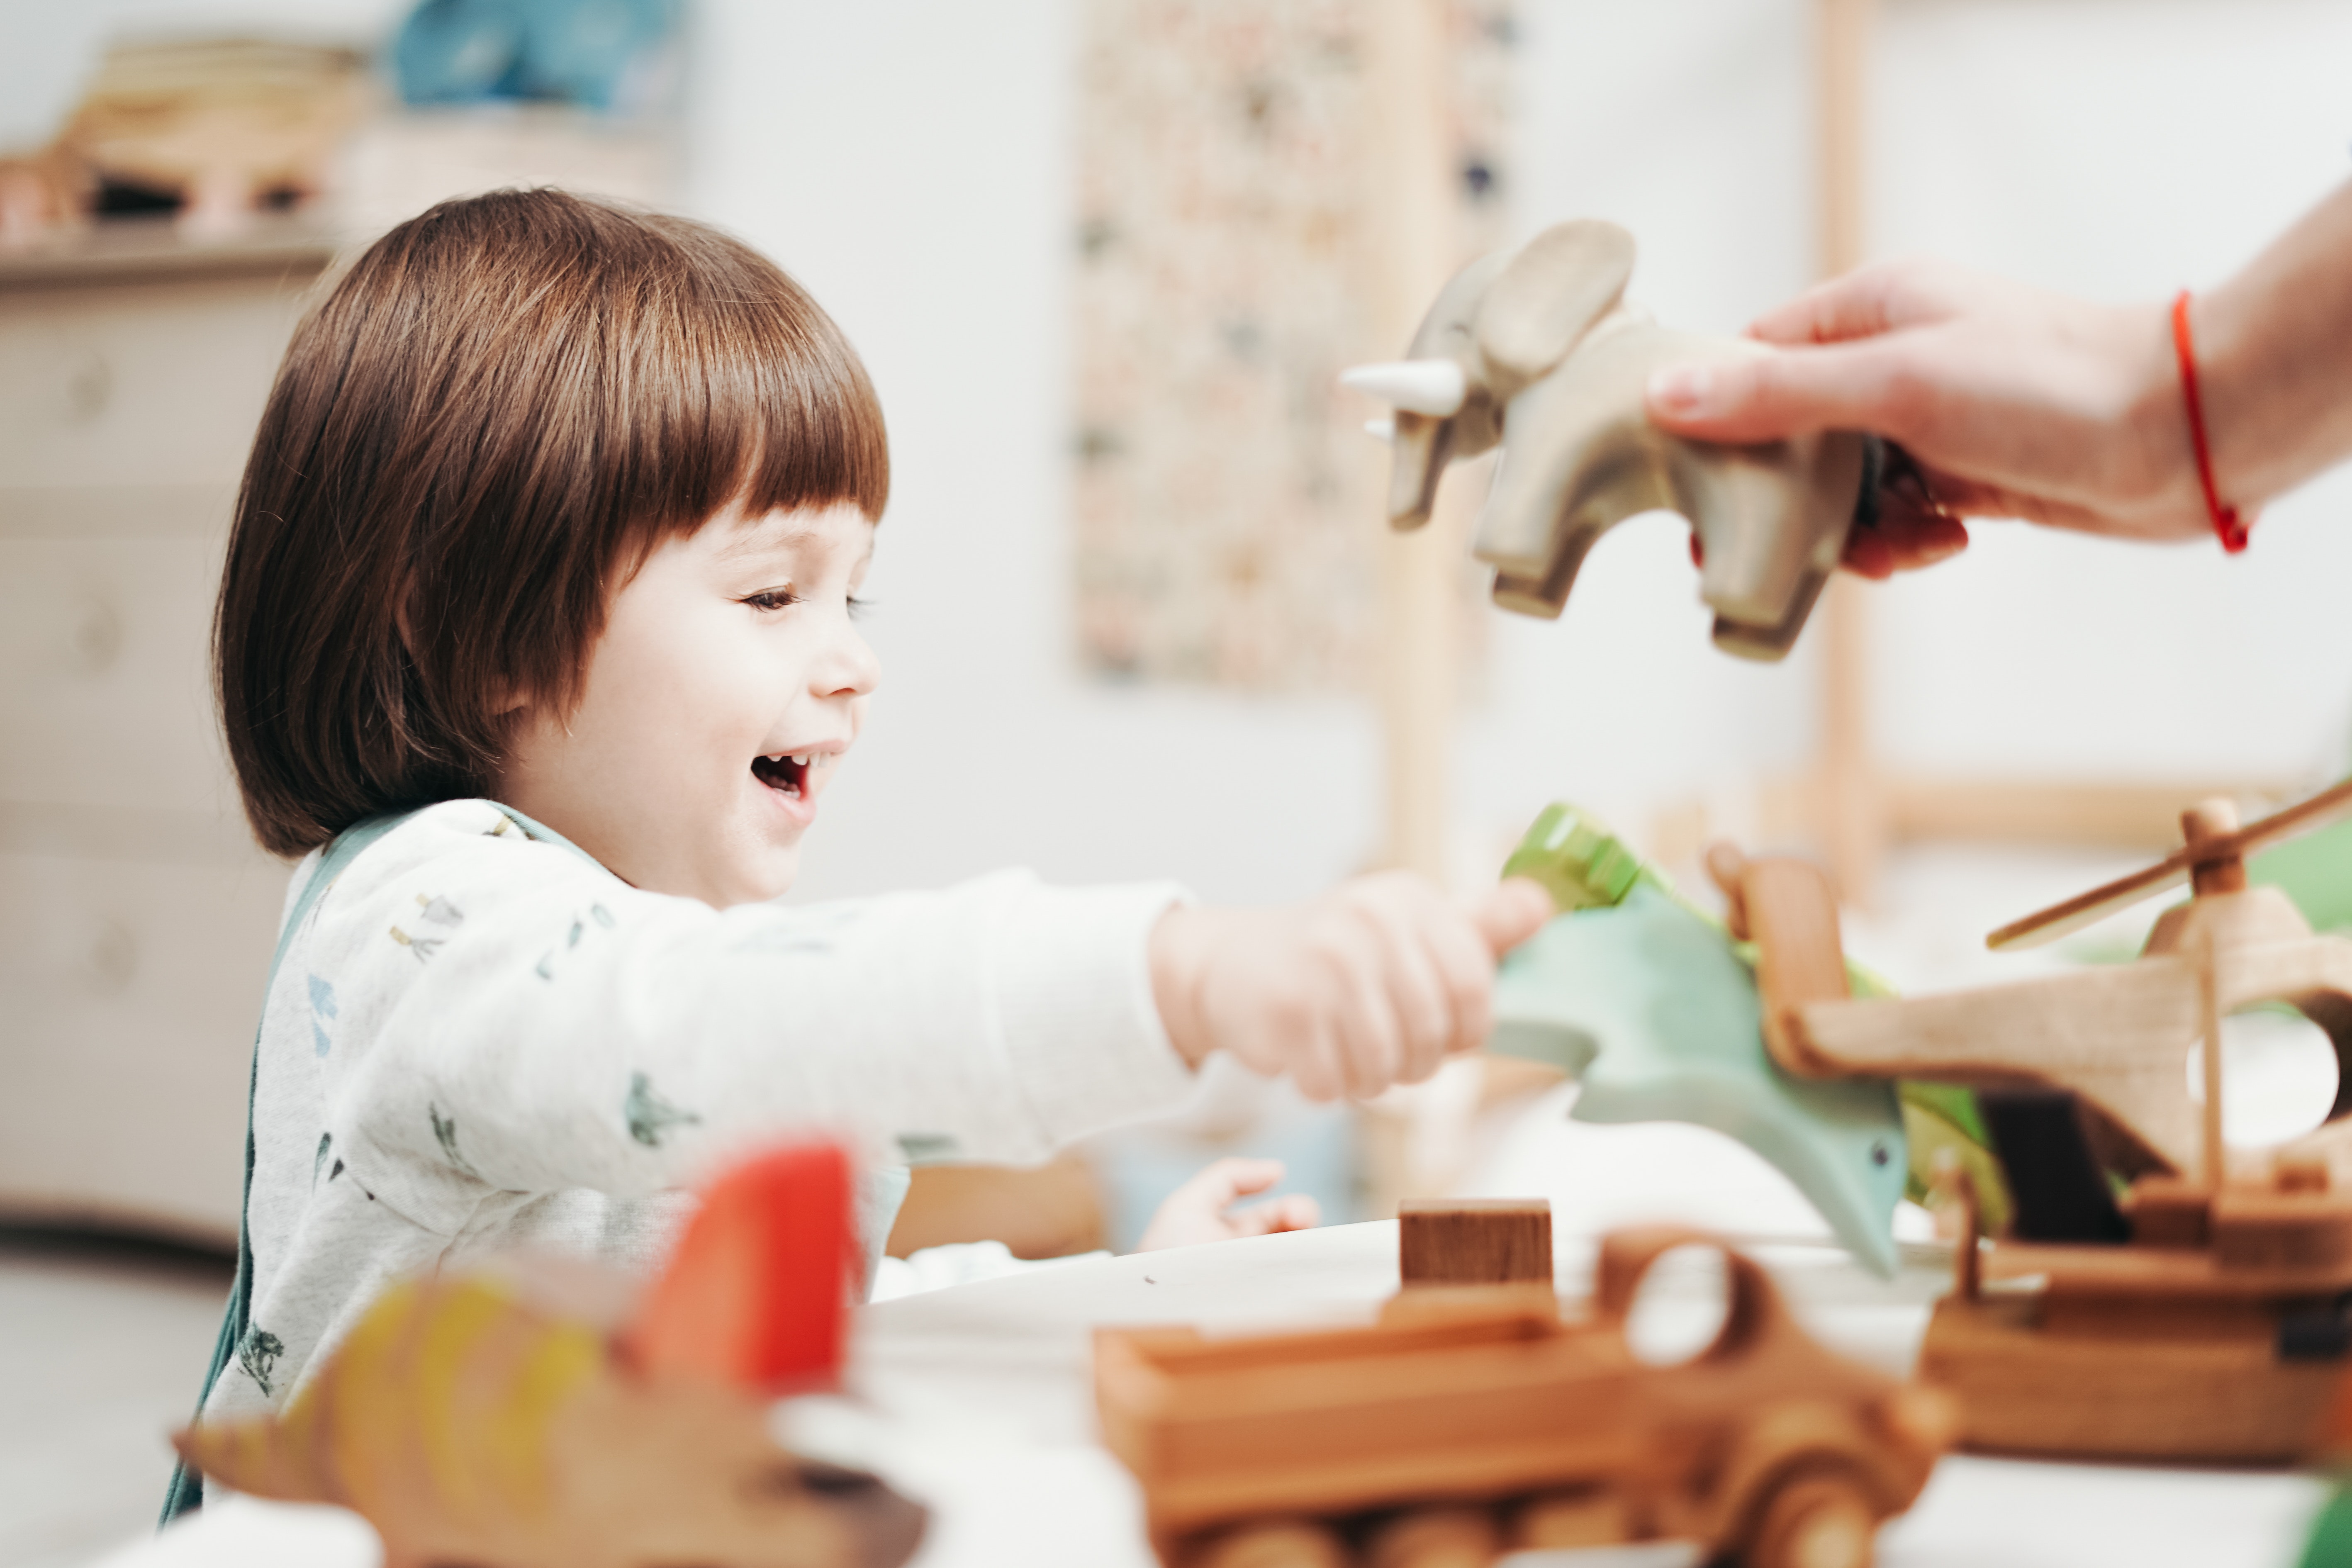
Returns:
(1271, 1543)
(1434, 1538)
(1817, 1521)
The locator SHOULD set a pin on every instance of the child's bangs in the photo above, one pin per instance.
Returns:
(775, 412)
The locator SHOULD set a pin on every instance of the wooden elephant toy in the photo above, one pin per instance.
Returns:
(1536, 351)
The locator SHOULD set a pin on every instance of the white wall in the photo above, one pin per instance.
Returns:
(909, 161)
(1690, 122)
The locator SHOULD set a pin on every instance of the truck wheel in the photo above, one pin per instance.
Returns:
(1271, 1543)
(1434, 1538)
(1817, 1521)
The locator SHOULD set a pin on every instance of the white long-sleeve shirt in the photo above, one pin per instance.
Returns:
(480, 1039)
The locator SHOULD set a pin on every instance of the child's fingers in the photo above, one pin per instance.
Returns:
(1295, 1211)
(1510, 912)
(1418, 991)
(1235, 1177)
(1465, 967)
(1364, 1025)
(1312, 1056)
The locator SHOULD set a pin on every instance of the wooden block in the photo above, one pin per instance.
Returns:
(1474, 1241)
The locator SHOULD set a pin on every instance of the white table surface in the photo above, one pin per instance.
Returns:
(979, 1400)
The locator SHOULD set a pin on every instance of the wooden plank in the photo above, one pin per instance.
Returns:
(1849, 800)
(1420, 658)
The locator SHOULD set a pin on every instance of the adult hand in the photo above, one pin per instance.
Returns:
(1202, 1208)
(1371, 984)
(2005, 400)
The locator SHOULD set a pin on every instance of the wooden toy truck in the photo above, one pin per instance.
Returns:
(1473, 1419)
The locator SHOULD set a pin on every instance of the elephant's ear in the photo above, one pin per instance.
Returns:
(1560, 283)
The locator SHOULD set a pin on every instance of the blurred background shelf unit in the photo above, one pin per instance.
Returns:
(136, 914)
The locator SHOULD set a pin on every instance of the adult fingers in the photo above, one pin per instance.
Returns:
(1906, 537)
(1860, 304)
(1764, 397)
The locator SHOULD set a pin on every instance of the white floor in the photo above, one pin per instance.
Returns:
(101, 1350)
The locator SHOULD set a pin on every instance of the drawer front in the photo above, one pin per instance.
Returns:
(105, 682)
(156, 383)
(132, 990)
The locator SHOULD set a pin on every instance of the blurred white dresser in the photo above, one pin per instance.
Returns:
(136, 915)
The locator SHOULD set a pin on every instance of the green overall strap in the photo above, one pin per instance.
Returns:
(186, 1493)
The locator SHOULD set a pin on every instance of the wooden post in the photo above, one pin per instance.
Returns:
(1849, 796)
(2209, 1005)
(2224, 873)
(1414, 227)
(2207, 820)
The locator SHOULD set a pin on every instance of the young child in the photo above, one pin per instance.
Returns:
(535, 641)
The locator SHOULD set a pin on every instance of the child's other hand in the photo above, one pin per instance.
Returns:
(1201, 1209)
(1372, 984)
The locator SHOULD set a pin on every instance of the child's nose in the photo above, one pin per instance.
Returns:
(849, 668)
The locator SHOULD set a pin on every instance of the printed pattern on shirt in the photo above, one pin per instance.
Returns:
(649, 1115)
(258, 1352)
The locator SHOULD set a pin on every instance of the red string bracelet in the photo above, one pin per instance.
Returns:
(2226, 521)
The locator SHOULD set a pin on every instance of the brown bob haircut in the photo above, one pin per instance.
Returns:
(477, 436)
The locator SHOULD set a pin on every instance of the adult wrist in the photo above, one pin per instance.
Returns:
(2161, 486)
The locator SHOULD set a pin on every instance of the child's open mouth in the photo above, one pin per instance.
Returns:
(784, 774)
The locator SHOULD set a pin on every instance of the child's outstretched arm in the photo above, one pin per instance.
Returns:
(1372, 984)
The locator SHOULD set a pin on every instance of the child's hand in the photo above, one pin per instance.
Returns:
(1201, 1209)
(1372, 984)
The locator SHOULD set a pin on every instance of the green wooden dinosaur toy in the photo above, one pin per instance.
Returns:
(1653, 1004)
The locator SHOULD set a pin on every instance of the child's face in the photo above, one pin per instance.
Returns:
(727, 685)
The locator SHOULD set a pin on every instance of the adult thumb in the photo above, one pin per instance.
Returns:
(1764, 397)
(1509, 914)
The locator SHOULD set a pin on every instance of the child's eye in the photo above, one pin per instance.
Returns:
(771, 599)
(859, 608)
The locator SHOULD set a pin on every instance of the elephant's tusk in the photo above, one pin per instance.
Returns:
(1435, 387)
(1382, 430)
